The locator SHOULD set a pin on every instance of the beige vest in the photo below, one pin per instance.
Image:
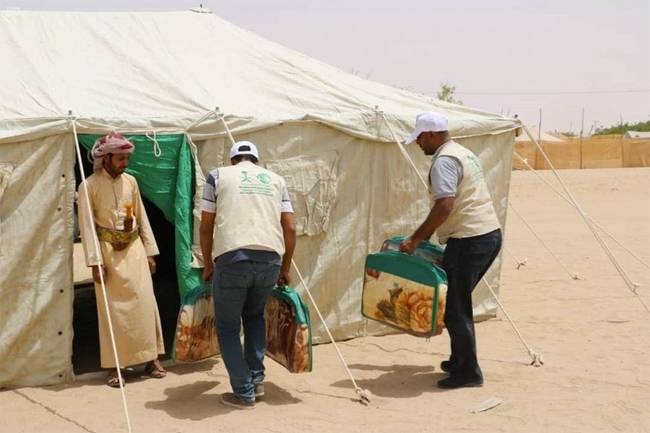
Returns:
(473, 212)
(248, 209)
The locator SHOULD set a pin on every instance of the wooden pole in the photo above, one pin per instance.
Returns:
(621, 141)
(582, 128)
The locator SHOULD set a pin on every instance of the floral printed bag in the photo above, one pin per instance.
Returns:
(196, 333)
(288, 330)
(404, 291)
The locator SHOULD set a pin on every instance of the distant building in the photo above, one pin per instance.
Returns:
(637, 134)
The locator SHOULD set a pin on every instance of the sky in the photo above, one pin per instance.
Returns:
(553, 59)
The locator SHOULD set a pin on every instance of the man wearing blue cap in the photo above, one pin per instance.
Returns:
(252, 245)
(463, 217)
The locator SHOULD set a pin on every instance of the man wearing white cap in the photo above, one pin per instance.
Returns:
(252, 245)
(463, 217)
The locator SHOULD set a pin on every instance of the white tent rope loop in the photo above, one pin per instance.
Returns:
(536, 357)
(573, 275)
(156, 146)
(601, 228)
(630, 284)
(219, 117)
(225, 125)
(98, 254)
(200, 120)
(364, 394)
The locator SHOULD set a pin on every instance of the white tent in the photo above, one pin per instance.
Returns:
(326, 131)
(542, 137)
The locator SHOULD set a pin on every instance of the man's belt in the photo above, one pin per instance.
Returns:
(118, 238)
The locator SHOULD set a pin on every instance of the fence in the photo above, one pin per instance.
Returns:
(607, 151)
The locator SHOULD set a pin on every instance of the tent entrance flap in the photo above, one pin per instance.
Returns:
(165, 175)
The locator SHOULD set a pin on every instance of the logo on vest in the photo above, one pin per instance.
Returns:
(476, 164)
(264, 178)
(258, 184)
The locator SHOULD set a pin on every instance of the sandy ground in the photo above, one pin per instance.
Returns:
(593, 334)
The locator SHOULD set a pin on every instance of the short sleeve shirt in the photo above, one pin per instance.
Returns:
(445, 176)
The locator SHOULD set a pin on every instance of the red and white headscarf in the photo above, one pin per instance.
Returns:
(111, 143)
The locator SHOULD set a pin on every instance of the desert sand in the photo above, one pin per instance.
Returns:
(593, 334)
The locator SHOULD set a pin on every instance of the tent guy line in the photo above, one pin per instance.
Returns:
(632, 286)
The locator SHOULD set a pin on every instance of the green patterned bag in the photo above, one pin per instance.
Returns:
(196, 333)
(404, 291)
(288, 330)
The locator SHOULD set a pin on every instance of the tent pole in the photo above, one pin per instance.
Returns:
(98, 254)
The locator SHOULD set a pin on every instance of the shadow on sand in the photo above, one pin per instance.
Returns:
(195, 401)
(397, 381)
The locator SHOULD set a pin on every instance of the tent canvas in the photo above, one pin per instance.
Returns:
(539, 136)
(329, 133)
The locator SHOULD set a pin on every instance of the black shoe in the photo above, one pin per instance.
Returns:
(451, 383)
(446, 366)
(233, 400)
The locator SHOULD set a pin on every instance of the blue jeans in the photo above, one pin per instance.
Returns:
(465, 261)
(240, 292)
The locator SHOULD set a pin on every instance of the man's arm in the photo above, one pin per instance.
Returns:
(87, 231)
(289, 233)
(445, 176)
(146, 234)
(438, 214)
(206, 231)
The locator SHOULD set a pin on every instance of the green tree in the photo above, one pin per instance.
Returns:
(446, 94)
(623, 128)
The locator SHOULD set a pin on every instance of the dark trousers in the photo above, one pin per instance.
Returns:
(465, 261)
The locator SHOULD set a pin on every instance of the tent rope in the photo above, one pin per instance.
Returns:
(520, 263)
(156, 146)
(536, 357)
(601, 228)
(632, 286)
(98, 254)
(363, 394)
(573, 275)
(222, 117)
(403, 151)
(207, 115)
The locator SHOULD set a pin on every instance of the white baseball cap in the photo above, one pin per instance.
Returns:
(428, 121)
(244, 148)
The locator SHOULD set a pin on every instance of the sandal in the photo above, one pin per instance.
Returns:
(155, 370)
(113, 380)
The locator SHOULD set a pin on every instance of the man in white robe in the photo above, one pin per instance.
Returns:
(111, 212)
